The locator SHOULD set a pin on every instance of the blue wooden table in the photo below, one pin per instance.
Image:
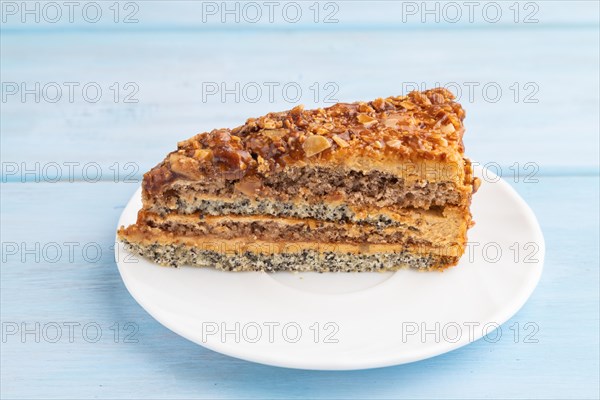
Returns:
(96, 94)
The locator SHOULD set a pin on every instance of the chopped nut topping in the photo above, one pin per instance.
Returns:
(203, 154)
(185, 166)
(275, 134)
(379, 104)
(408, 105)
(391, 122)
(420, 98)
(424, 125)
(267, 123)
(315, 144)
(365, 108)
(448, 129)
(395, 143)
(340, 142)
(366, 120)
(263, 166)
(476, 184)
(437, 98)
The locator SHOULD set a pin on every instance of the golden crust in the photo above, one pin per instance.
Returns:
(384, 134)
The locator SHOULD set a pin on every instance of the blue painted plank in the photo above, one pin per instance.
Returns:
(175, 72)
(150, 15)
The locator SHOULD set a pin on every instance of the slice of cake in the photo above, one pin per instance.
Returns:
(354, 187)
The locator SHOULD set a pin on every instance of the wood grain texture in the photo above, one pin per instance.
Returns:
(369, 53)
(170, 68)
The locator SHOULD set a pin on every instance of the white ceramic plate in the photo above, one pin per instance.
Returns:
(341, 321)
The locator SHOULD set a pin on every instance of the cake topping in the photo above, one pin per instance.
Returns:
(424, 125)
(315, 144)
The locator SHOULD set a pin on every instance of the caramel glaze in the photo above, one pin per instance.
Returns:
(422, 125)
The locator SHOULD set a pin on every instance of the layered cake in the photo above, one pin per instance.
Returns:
(364, 186)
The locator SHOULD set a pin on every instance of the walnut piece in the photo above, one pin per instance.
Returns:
(274, 134)
(185, 166)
